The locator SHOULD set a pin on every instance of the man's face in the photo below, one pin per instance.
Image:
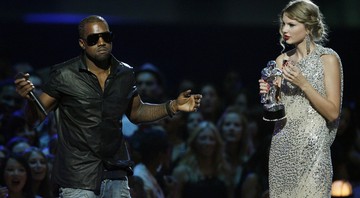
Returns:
(96, 41)
(148, 86)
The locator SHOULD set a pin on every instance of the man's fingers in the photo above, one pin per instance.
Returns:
(187, 93)
(198, 96)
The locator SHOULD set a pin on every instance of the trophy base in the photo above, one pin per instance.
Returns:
(275, 113)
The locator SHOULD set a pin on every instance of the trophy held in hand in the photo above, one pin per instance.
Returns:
(274, 110)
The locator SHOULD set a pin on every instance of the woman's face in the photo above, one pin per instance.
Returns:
(209, 99)
(193, 121)
(206, 142)
(37, 164)
(294, 32)
(232, 127)
(15, 176)
(241, 102)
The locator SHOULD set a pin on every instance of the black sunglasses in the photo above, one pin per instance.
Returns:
(93, 39)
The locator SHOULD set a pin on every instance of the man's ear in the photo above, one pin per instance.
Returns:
(81, 44)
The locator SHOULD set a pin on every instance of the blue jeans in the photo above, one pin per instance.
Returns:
(109, 189)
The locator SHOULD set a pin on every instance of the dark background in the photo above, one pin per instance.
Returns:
(196, 39)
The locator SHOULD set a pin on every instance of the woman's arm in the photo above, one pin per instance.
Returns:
(329, 105)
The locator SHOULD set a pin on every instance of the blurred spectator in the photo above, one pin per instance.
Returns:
(187, 84)
(193, 120)
(40, 172)
(50, 151)
(254, 180)
(17, 127)
(232, 85)
(178, 132)
(14, 123)
(150, 84)
(15, 178)
(18, 144)
(203, 171)
(152, 145)
(233, 129)
(254, 113)
(241, 101)
(136, 185)
(151, 87)
(211, 104)
(4, 153)
(23, 67)
(9, 102)
(175, 128)
(47, 131)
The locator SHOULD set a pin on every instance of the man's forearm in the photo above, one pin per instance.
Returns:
(153, 112)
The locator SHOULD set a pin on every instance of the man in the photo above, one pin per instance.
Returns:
(150, 84)
(92, 92)
(150, 87)
(152, 146)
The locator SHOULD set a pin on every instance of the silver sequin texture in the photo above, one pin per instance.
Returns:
(300, 162)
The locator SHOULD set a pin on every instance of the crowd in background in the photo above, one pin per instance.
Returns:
(221, 150)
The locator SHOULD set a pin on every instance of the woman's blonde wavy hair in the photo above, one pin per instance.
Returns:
(189, 163)
(307, 13)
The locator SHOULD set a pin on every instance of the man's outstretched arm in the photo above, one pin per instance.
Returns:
(145, 112)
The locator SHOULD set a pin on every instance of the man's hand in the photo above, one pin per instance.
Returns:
(186, 102)
(24, 86)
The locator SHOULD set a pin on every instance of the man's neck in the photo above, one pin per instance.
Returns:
(98, 67)
(95, 65)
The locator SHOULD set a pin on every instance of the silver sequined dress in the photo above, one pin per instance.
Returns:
(300, 162)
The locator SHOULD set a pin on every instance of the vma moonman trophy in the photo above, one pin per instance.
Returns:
(274, 110)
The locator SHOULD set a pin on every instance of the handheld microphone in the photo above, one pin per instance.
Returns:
(32, 95)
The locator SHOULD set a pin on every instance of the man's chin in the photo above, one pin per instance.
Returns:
(102, 57)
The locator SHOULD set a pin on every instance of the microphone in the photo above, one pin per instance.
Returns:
(32, 95)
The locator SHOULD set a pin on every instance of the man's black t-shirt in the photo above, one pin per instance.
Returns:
(90, 120)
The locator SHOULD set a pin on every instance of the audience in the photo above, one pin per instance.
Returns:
(211, 104)
(15, 178)
(203, 171)
(220, 149)
(39, 172)
(150, 84)
(233, 128)
(152, 146)
(4, 153)
(18, 144)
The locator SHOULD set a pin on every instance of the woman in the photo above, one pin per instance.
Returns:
(203, 171)
(232, 126)
(15, 180)
(211, 103)
(39, 172)
(311, 89)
